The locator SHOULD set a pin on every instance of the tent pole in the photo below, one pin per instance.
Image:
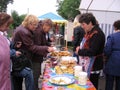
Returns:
(89, 6)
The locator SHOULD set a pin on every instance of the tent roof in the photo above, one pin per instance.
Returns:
(53, 17)
(101, 5)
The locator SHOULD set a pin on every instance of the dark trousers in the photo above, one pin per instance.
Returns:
(16, 82)
(94, 78)
(110, 82)
(18, 78)
(36, 73)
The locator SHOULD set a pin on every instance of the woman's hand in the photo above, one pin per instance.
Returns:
(52, 39)
(51, 49)
(77, 49)
(18, 53)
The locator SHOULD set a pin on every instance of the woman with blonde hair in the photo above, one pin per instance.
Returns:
(24, 34)
(21, 68)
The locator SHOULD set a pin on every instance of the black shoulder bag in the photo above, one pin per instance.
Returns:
(20, 62)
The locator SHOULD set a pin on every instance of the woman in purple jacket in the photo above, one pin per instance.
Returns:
(112, 52)
(5, 83)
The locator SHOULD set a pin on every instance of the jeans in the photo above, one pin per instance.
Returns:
(28, 75)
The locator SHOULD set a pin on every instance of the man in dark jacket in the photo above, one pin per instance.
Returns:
(40, 38)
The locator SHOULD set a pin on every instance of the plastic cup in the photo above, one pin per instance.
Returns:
(82, 79)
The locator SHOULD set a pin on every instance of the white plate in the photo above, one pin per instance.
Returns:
(61, 80)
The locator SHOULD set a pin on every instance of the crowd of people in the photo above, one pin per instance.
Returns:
(21, 57)
(26, 51)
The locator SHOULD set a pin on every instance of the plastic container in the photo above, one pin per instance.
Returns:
(77, 70)
(82, 79)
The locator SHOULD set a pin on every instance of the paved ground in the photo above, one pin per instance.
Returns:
(101, 83)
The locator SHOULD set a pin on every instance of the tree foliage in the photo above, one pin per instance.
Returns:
(17, 21)
(17, 18)
(68, 9)
(3, 5)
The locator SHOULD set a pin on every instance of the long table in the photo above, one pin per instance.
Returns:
(46, 85)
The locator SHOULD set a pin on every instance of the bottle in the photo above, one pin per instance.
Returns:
(42, 67)
(40, 79)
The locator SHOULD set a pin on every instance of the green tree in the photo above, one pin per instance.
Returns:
(17, 18)
(68, 9)
(3, 5)
(17, 21)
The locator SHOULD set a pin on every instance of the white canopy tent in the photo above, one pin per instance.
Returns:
(105, 11)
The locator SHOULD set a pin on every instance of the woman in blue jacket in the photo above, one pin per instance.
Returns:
(112, 52)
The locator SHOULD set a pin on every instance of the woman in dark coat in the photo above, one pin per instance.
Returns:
(91, 47)
(112, 52)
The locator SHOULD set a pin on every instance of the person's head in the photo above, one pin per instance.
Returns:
(40, 24)
(47, 25)
(30, 22)
(76, 21)
(18, 45)
(116, 25)
(88, 21)
(5, 21)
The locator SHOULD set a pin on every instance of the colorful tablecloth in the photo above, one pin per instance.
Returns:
(46, 85)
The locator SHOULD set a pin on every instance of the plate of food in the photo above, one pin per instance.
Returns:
(60, 53)
(61, 80)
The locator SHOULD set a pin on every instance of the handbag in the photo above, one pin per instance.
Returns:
(20, 62)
